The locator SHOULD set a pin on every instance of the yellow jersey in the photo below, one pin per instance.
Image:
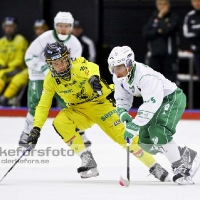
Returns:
(74, 92)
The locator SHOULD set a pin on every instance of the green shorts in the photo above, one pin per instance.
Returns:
(162, 126)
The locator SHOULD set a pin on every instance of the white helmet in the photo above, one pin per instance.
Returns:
(121, 55)
(63, 17)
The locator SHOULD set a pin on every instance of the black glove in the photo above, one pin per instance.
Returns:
(111, 98)
(3, 67)
(14, 72)
(95, 84)
(33, 137)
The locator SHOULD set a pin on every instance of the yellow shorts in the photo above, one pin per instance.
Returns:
(83, 116)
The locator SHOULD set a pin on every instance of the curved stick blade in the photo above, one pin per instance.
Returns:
(126, 182)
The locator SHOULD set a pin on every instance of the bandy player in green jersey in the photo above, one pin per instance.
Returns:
(156, 119)
(79, 84)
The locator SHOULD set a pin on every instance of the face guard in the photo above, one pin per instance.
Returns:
(58, 59)
(66, 18)
(121, 55)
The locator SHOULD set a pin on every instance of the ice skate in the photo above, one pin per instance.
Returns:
(88, 168)
(160, 173)
(191, 159)
(23, 139)
(182, 174)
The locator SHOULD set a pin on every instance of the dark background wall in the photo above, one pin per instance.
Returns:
(123, 22)
(27, 11)
(108, 22)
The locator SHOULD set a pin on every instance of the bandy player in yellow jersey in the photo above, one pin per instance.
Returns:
(79, 84)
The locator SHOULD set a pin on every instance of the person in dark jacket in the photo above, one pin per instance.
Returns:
(88, 45)
(162, 34)
(191, 31)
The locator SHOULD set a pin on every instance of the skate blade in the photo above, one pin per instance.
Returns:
(185, 181)
(126, 182)
(90, 173)
(195, 166)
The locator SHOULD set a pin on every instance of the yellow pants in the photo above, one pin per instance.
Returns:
(14, 84)
(83, 116)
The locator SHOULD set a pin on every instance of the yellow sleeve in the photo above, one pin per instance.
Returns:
(86, 69)
(17, 59)
(42, 109)
(93, 69)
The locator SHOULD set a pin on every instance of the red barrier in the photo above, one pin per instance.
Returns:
(188, 114)
(21, 112)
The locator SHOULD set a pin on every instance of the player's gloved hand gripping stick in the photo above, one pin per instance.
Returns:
(131, 130)
(33, 137)
(95, 84)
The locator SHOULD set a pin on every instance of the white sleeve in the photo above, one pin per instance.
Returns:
(152, 93)
(76, 48)
(76, 52)
(122, 97)
(33, 56)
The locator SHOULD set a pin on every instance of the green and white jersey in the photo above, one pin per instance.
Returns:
(152, 86)
(34, 56)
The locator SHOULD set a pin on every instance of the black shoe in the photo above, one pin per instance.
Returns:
(191, 159)
(88, 168)
(181, 173)
(3, 101)
(160, 173)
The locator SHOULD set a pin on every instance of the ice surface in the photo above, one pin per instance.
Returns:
(59, 180)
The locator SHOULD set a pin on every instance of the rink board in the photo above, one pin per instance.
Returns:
(21, 112)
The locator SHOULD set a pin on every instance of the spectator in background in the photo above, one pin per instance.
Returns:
(13, 71)
(161, 32)
(191, 30)
(39, 27)
(89, 50)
